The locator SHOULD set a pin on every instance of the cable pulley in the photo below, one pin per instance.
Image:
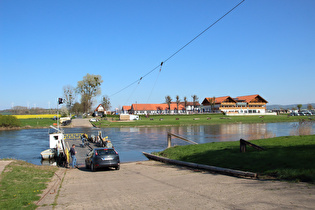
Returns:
(161, 66)
(139, 80)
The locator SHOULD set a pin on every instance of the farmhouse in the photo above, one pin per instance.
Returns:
(99, 111)
(241, 105)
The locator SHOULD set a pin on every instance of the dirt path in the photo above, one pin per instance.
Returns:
(155, 185)
(81, 123)
(3, 164)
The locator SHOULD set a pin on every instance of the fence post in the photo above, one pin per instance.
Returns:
(169, 140)
(242, 146)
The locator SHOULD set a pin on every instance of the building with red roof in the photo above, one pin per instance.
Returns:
(251, 104)
(156, 108)
(126, 109)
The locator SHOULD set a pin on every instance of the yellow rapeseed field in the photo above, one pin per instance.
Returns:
(30, 116)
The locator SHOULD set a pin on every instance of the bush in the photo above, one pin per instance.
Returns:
(9, 121)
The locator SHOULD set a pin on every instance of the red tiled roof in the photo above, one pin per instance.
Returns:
(126, 108)
(99, 107)
(250, 98)
(148, 107)
(247, 99)
(219, 100)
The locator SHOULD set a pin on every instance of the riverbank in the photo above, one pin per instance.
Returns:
(167, 120)
(198, 119)
(289, 158)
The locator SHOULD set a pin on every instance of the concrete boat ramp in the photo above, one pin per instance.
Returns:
(155, 185)
(81, 122)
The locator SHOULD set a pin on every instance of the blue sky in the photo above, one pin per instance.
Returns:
(263, 47)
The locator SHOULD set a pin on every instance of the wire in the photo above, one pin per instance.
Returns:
(154, 83)
(180, 49)
(203, 31)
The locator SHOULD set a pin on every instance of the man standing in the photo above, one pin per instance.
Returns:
(72, 153)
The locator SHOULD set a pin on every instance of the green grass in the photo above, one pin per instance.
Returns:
(37, 123)
(198, 119)
(22, 183)
(172, 120)
(289, 158)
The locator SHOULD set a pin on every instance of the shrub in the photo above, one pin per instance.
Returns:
(9, 121)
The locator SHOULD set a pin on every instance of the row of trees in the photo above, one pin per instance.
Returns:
(88, 89)
(309, 107)
(168, 101)
(17, 110)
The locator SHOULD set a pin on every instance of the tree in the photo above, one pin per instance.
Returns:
(89, 87)
(76, 108)
(299, 106)
(309, 107)
(69, 95)
(195, 100)
(212, 103)
(84, 104)
(168, 101)
(64, 112)
(106, 102)
(177, 102)
(185, 102)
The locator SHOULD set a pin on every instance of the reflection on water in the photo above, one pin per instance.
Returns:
(302, 128)
(131, 142)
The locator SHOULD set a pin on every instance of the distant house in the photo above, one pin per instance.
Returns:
(251, 104)
(99, 111)
(126, 109)
(161, 108)
(190, 106)
(156, 108)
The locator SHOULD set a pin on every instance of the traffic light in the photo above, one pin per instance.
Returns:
(60, 100)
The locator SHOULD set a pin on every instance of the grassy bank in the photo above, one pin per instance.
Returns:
(289, 158)
(171, 120)
(197, 119)
(36, 123)
(22, 183)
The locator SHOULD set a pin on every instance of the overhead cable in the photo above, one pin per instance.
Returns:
(180, 48)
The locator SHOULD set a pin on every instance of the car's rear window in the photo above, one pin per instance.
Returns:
(105, 152)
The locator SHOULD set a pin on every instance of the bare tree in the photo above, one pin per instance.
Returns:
(69, 95)
(89, 87)
(309, 107)
(168, 101)
(106, 102)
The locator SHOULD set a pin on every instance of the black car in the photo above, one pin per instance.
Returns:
(102, 158)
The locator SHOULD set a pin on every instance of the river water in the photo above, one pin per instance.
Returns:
(132, 141)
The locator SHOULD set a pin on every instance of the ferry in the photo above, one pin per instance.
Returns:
(57, 148)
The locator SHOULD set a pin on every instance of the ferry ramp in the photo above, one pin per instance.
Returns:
(80, 122)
